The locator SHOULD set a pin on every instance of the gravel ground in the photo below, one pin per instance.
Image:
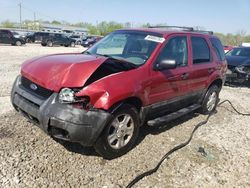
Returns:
(30, 158)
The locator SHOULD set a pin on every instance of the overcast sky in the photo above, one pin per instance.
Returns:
(226, 16)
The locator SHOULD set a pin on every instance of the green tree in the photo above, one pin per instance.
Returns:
(7, 24)
(106, 27)
(55, 22)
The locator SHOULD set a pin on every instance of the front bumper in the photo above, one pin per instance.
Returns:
(237, 76)
(62, 121)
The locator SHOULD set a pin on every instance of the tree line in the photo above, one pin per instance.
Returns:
(104, 28)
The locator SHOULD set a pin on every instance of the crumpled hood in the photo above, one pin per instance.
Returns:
(61, 70)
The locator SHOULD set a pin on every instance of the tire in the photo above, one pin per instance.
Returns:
(43, 44)
(210, 100)
(118, 137)
(79, 43)
(28, 40)
(72, 44)
(18, 43)
(50, 43)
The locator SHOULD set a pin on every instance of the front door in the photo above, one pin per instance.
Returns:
(169, 89)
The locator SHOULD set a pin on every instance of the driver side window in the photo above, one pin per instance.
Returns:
(175, 49)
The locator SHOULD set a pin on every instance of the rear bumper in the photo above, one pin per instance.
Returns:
(62, 121)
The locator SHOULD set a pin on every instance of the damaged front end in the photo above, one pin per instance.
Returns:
(58, 114)
(238, 74)
(69, 114)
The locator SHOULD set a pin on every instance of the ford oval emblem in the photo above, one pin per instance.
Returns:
(33, 86)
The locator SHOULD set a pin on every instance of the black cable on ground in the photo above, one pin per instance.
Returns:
(153, 170)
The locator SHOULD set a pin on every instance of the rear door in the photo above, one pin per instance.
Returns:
(5, 37)
(203, 64)
(1, 37)
(169, 89)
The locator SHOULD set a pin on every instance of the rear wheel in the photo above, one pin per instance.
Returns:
(120, 134)
(50, 43)
(18, 43)
(210, 100)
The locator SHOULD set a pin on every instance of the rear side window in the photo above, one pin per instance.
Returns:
(218, 48)
(201, 52)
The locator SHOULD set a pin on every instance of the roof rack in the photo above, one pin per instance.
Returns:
(205, 32)
(178, 27)
(183, 28)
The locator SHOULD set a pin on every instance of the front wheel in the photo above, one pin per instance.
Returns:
(120, 134)
(210, 100)
(72, 44)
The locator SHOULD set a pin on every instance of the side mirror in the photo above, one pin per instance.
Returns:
(166, 64)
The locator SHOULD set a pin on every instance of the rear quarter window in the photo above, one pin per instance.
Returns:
(218, 48)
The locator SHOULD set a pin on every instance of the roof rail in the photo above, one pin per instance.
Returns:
(169, 26)
(205, 32)
(184, 28)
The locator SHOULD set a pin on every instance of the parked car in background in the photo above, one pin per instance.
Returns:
(18, 35)
(245, 44)
(103, 96)
(77, 38)
(228, 48)
(57, 39)
(36, 36)
(90, 40)
(238, 60)
(8, 37)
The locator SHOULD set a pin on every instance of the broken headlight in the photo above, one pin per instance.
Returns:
(67, 95)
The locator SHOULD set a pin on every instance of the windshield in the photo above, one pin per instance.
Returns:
(15, 33)
(133, 47)
(239, 52)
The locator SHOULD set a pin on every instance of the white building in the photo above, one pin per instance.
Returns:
(63, 29)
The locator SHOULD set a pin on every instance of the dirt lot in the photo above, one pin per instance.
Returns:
(29, 158)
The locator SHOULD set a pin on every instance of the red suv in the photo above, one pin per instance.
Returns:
(130, 78)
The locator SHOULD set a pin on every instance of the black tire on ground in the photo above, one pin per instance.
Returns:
(210, 100)
(18, 43)
(72, 44)
(43, 44)
(120, 134)
(78, 42)
(50, 43)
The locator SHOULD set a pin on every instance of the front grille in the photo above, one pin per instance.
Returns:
(39, 90)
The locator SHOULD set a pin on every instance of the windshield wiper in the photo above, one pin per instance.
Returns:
(120, 60)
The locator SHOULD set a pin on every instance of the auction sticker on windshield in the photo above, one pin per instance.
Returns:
(155, 38)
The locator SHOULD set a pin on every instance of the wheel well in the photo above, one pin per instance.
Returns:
(134, 101)
(217, 82)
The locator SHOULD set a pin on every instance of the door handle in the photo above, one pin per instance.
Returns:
(210, 70)
(184, 76)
